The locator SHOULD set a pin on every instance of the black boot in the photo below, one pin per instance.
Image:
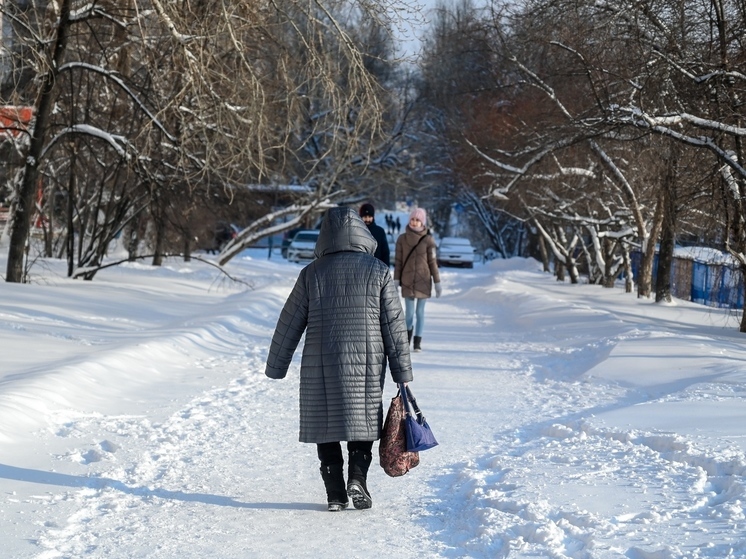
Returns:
(418, 343)
(409, 336)
(357, 477)
(334, 481)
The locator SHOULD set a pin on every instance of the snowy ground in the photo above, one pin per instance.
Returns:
(574, 421)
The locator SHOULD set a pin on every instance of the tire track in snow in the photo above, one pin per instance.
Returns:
(216, 476)
(544, 487)
(505, 500)
(158, 478)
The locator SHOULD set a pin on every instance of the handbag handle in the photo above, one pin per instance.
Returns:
(408, 400)
(402, 394)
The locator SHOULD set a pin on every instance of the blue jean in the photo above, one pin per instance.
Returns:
(410, 313)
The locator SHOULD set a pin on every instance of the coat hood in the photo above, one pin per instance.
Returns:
(343, 231)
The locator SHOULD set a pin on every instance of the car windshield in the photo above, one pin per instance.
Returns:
(456, 242)
(306, 237)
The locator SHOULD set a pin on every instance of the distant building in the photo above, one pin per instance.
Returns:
(4, 43)
(15, 92)
(14, 76)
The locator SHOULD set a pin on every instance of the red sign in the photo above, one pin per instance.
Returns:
(14, 120)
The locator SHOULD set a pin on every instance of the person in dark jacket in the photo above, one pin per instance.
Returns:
(368, 213)
(347, 304)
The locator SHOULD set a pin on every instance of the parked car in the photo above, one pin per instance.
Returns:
(287, 239)
(302, 246)
(455, 251)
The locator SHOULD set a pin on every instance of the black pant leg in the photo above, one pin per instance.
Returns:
(329, 453)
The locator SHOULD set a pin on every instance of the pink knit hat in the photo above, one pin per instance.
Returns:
(419, 213)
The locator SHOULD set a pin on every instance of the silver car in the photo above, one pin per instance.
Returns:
(302, 246)
(455, 251)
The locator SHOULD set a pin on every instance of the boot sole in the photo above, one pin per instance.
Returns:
(360, 499)
(336, 507)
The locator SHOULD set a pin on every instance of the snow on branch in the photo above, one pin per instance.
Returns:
(539, 83)
(573, 171)
(699, 79)
(620, 179)
(565, 172)
(92, 10)
(175, 33)
(621, 234)
(518, 172)
(258, 229)
(659, 125)
(681, 118)
(731, 182)
(114, 78)
(118, 143)
(82, 12)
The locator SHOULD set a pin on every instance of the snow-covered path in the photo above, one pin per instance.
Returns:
(532, 387)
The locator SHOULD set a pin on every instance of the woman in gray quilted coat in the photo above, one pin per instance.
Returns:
(347, 304)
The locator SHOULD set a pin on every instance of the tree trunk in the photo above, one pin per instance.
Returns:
(611, 271)
(133, 238)
(628, 279)
(46, 218)
(159, 232)
(572, 269)
(544, 254)
(24, 208)
(668, 235)
(70, 238)
(188, 246)
(665, 263)
(645, 279)
(559, 270)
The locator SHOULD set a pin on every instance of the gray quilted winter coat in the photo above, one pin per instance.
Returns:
(349, 307)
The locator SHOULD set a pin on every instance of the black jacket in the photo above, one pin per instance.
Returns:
(347, 304)
(382, 250)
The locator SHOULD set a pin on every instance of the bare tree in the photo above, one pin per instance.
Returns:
(162, 106)
(605, 88)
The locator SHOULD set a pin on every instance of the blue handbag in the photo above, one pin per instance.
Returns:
(419, 435)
